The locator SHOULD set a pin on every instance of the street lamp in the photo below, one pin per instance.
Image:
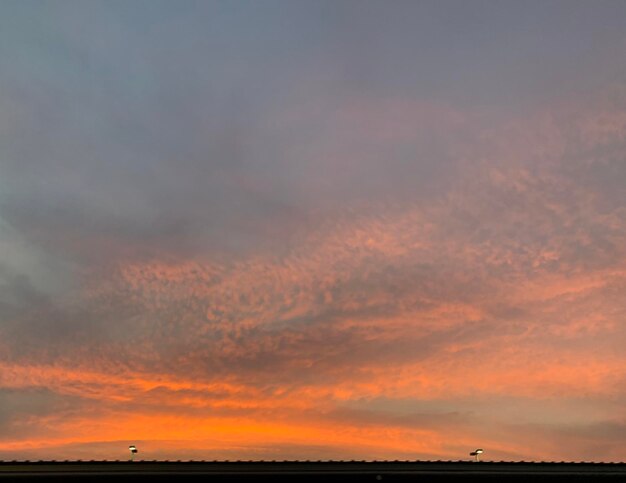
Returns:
(476, 453)
(133, 451)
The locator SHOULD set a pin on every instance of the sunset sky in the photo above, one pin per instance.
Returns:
(313, 229)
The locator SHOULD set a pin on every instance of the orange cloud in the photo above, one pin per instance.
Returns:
(507, 284)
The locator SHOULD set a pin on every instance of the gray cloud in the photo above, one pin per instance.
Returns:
(21, 410)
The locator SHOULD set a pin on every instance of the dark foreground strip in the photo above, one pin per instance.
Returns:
(304, 471)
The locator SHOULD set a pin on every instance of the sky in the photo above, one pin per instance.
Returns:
(313, 229)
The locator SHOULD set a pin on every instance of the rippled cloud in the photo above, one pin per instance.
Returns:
(318, 273)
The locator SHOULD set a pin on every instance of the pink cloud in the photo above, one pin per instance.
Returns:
(507, 282)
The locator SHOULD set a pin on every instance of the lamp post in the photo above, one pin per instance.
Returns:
(476, 453)
(133, 451)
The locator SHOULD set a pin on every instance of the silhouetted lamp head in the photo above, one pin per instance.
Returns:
(133, 451)
(476, 453)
